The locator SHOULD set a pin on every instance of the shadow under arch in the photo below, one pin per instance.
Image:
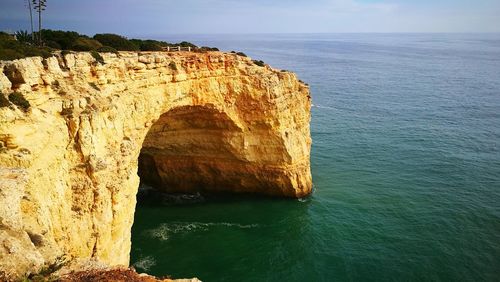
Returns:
(193, 149)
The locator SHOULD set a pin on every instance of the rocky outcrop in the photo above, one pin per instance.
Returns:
(70, 164)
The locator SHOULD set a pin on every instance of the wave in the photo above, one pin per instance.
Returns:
(164, 230)
(322, 107)
(145, 263)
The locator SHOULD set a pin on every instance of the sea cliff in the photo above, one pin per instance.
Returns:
(185, 122)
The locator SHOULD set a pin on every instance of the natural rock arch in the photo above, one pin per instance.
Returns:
(69, 166)
(191, 149)
(204, 149)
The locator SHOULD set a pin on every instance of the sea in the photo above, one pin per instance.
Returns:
(405, 162)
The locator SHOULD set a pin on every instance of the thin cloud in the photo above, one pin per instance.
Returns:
(259, 16)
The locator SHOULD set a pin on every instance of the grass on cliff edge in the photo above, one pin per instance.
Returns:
(12, 48)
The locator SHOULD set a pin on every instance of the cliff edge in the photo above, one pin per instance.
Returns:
(71, 162)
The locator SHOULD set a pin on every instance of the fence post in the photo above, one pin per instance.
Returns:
(179, 48)
(168, 48)
(189, 49)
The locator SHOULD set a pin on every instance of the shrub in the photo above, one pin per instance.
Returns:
(187, 44)
(98, 58)
(173, 66)
(34, 51)
(9, 54)
(11, 49)
(107, 49)
(241, 54)
(205, 48)
(116, 41)
(150, 46)
(259, 63)
(65, 52)
(18, 99)
(4, 35)
(65, 39)
(79, 47)
(86, 44)
(53, 44)
(4, 102)
(23, 36)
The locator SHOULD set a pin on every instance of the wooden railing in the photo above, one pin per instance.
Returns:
(176, 48)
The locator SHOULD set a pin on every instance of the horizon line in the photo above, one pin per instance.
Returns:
(273, 33)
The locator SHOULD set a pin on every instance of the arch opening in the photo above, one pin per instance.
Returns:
(192, 149)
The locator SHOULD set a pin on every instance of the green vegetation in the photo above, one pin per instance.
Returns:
(65, 52)
(11, 49)
(4, 102)
(86, 44)
(18, 99)
(23, 36)
(116, 41)
(24, 44)
(107, 49)
(205, 48)
(148, 45)
(187, 44)
(155, 45)
(172, 66)
(239, 53)
(259, 63)
(64, 39)
(97, 57)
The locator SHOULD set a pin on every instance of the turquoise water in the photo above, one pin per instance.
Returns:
(405, 162)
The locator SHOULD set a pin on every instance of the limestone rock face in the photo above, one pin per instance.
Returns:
(70, 165)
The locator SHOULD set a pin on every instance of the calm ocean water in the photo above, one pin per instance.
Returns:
(405, 162)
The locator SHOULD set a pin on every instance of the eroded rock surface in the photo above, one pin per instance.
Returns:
(190, 122)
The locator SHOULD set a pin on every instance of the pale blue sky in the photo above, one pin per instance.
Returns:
(157, 17)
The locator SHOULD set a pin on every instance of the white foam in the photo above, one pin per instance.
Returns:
(145, 263)
(323, 107)
(160, 233)
(164, 230)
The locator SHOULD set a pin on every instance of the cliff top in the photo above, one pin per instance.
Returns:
(22, 44)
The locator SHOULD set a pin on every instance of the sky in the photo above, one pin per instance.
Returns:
(161, 17)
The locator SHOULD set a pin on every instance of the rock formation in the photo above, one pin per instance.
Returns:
(187, 121)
